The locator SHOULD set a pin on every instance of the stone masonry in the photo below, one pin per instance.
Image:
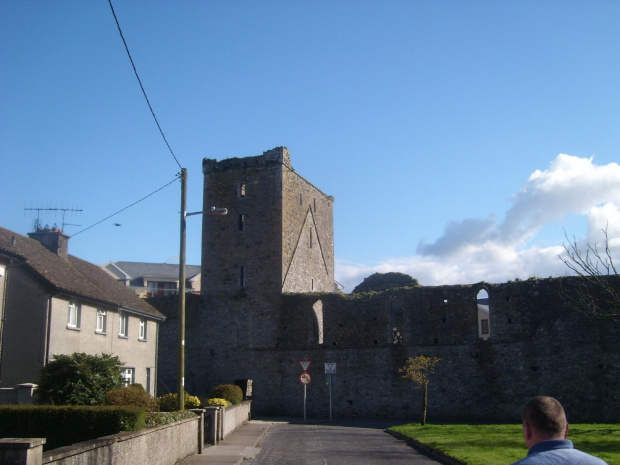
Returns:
(268, 301)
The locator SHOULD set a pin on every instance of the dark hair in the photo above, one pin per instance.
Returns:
(546, 415)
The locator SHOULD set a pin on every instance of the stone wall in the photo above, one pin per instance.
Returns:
(307, 237)
(286, 311)
(278, 235)
(244, 245)
(539, 344)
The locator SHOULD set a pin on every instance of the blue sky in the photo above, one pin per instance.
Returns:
(460, 139)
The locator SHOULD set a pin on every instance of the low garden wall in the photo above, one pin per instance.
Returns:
(161, 445)
(235, 416)
(179, 440)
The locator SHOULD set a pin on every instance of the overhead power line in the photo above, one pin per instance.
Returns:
(141, 86)
(128, 206)
(109, 216)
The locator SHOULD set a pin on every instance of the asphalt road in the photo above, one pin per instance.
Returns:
(335, 444)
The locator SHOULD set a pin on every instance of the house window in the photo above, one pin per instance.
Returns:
(74, 315)
(241, 190)
(242, 222)
(242, 276)
(142, 330)
(128, 375)
(484, 324)
(160, 288)
(123, 325)
(301, 199)
(101, 324)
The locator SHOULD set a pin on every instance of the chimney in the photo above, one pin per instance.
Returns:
(53, 239)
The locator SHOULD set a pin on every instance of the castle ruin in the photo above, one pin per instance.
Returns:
(269, 300)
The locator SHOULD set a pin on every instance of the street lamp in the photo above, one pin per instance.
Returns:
(181, 303)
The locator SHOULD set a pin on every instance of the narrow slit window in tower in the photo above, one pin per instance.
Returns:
(241, 222)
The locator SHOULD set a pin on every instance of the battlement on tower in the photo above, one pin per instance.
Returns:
(278, 155)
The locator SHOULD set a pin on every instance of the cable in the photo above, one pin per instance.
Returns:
(106, 218)
(140, 82)
(128, 206)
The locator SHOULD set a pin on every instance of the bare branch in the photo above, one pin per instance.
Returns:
(598, 294)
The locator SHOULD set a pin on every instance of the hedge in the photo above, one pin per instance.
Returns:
(66, 425)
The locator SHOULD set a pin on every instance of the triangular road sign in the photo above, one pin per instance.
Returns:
(304, 364)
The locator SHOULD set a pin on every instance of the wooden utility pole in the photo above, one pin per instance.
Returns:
(181, 304)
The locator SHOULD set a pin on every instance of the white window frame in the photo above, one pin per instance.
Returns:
(128, 375)
(123, 325)
(101, 322)
(74, 317)
(142, 329)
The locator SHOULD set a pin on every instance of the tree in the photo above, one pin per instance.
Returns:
(383, 281)
(417, 370)
(79, 379)
(598, 293)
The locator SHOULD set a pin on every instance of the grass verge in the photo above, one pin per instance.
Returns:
(503, 444)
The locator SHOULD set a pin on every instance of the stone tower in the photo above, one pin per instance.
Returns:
(278, 236)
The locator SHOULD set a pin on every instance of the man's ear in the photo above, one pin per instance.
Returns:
(566, 431)
(527, 431)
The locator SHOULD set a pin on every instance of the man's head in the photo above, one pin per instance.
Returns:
(543, 419)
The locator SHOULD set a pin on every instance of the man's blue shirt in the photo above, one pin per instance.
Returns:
(558, 452)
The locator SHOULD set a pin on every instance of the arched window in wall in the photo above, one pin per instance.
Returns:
(318, 318)
(397, 337)
(484, 315)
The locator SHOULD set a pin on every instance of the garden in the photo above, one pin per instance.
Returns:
(82, 397)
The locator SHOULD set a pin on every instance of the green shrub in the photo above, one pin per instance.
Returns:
(165, 418)
(217, 401)
(131, 395)
(169, 402)
(230, 392)
(79, 379)
(66, 425)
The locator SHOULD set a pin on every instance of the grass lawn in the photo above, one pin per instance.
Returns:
(503, 444)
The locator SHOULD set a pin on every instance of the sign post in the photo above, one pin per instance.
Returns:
(330, 369)
(305, 379)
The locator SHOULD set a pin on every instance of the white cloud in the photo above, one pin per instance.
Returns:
(480, 249)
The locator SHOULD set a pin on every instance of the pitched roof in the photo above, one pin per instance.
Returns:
(164, 270)
(73, 276)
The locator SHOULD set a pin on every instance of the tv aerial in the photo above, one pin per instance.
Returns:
(53, 210)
